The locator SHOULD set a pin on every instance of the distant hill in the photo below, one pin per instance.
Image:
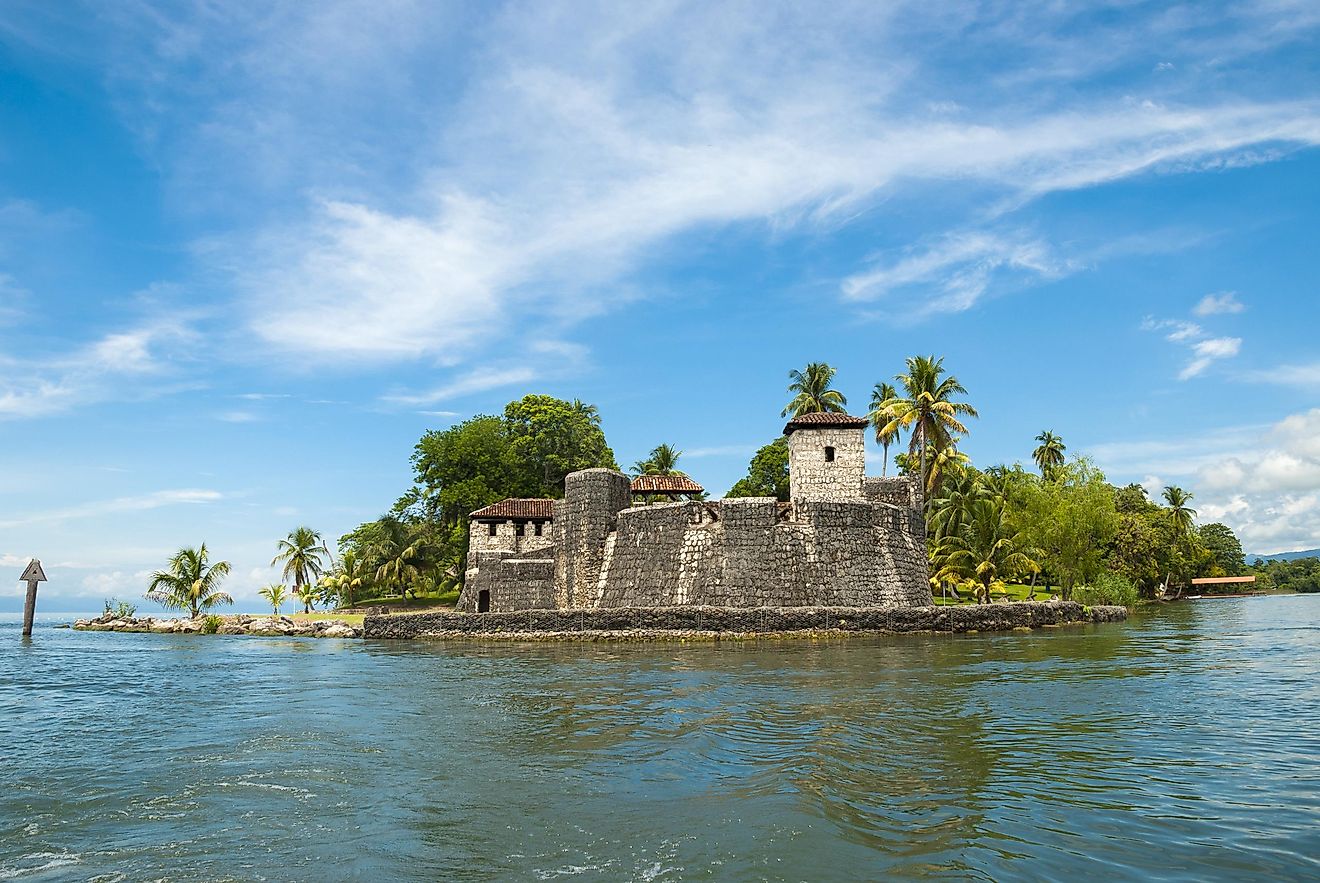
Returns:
(1286, 556)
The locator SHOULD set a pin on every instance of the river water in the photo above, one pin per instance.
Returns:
(1184, 744)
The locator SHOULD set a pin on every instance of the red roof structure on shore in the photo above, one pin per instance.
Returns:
(1222, 580)
(665, 484)
(824, 420)
(515, 509)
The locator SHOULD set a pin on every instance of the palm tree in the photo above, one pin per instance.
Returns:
(303, 555)
(663, 460)
(879, 417)
(812, 392)
(1049, 454)
(988, 549)
(276, 594)
(347, 578)
(927, 408)
(1182, 514)
(399, 570)
(307, 596)
(190, 583)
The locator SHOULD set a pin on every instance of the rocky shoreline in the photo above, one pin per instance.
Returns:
(242, 624)
(736, 623)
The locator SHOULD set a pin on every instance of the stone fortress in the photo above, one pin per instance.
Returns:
(843, 540)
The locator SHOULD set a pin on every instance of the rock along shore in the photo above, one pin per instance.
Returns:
(261, 626)
(687, 623)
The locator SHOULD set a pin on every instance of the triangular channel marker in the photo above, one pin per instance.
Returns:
(33, 573)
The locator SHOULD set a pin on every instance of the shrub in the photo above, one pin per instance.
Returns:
(211, 624)
(1107, 588)
(119, 609)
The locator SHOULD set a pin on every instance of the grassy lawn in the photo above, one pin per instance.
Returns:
(448, 599)
(1011, 592)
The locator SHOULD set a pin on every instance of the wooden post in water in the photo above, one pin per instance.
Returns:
(32, 575)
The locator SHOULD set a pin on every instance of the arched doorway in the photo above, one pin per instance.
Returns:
(483, 601)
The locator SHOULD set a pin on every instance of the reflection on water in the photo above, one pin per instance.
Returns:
(1179, 745)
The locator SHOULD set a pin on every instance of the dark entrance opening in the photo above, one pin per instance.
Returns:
(483, 601)
(829, 455)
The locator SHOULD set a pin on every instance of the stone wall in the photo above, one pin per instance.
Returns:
(741, 554)
(813, 478)
(584, 519)
(682, 621)
(508, 537)
(512, 582)
(896, 490)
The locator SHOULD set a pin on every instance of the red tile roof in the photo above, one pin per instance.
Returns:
(665, 484)
(823, 420)
(516, 510)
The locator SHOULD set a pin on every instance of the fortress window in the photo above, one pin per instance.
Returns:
(518, 528)
(829, 455)
(538, 528)
(491, 527)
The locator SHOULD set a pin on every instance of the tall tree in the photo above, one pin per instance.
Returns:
(1071, 522)
(1224, 547)
(767, 473)
(303, 555)
(988, 549)
(347, 578)
(880, 417)
(663, 460)
(275, 595)
(1049, 453)
(812, 392)
(191, 583)
(1182, 514)
(927, 409)
(549, 438)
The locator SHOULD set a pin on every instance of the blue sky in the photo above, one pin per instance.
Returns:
(249, 252)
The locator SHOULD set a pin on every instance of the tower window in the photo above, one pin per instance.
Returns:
(829, 455)
(491, 526)
(518, 529)
(538, 528)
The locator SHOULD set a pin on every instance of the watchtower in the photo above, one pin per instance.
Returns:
(826, 458)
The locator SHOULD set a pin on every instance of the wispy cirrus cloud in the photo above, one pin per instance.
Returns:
(138, 503)
(1203, 349)
(413, 218)
(122, 364)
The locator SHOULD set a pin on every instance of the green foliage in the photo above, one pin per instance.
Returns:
(191, 583)
(1070, 521)
(1049, 453)
(211, 624)
(767, 474)
(879, 417)
(118, 609)
(1224, 547)
(1107, 587)
(663, 460)
(986, 550)
(549, 438)
(925, 407)
(275, 595)
(524, 453)
(303, 555)
(812, 392)
(1298, 575)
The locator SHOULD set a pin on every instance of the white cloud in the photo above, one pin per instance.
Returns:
(961, 267)
(237, 417)
(1206, 352)
(480, 380)
(115, 366)
(1304, 375)
(1264, 482)
(98, 508)
(1223, 302)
